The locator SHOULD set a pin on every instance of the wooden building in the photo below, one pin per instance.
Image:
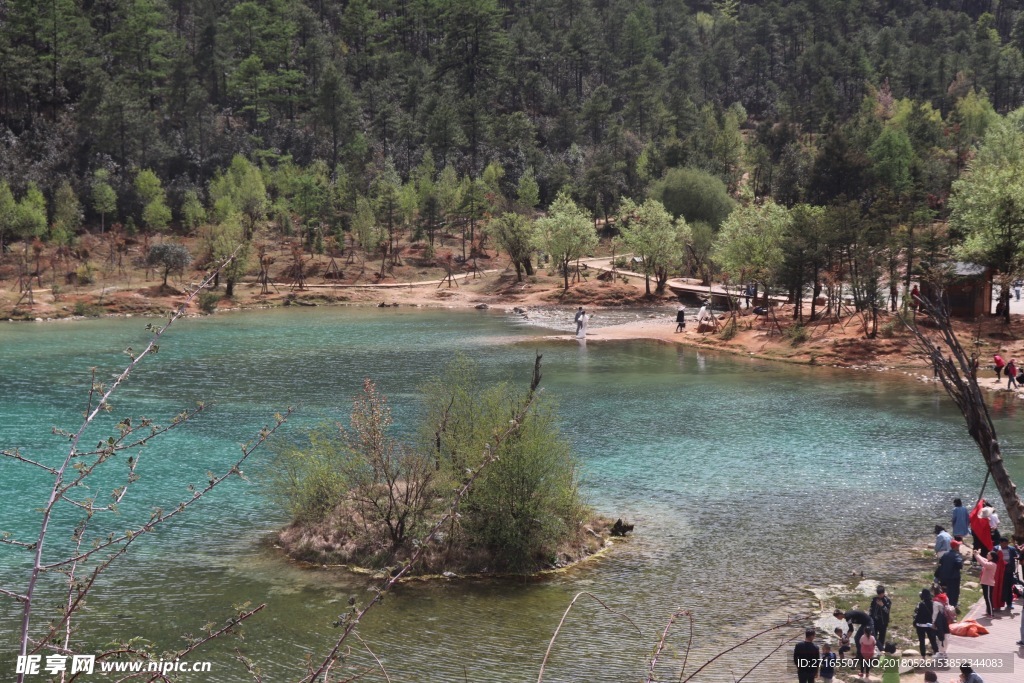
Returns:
(968, 291)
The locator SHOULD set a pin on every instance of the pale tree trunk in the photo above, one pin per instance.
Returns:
(958, 373)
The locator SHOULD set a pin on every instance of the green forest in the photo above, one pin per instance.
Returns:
(855, 123)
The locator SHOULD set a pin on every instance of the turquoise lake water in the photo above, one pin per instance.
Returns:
(747, 481)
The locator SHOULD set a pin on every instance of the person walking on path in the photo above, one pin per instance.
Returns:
(864, 624)
(881, 605)
(999, 365)
(961, 524)
(584, 321)
(1011, 374)
(681, 319)
(923, 622)
(948, 573)
(940, 622)
(805, 657)
(942, 541)
(987, 580)
(579, 320)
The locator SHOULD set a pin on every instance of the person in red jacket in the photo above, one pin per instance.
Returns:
(1011, 374)
(999, 365)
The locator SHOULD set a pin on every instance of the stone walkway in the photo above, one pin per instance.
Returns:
(1004, 632)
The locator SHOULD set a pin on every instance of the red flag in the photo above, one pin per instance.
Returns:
(981, 528)
(997, 590)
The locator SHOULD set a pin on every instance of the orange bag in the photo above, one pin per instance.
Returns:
(968, 628)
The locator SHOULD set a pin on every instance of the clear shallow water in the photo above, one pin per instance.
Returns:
(747, 481)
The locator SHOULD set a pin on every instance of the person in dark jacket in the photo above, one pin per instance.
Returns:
(923, 622)
(948, 572)
(1010, 556)
(681, 319)
(864, 624)
(879, 611)
(805, 657)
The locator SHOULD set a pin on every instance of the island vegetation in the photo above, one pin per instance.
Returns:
(361, 497)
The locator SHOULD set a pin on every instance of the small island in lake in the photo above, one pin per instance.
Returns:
(488, 485)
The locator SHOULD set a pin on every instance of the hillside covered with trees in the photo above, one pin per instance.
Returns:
(850, 121)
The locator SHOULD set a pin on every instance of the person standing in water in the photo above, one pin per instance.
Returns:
(582, 331)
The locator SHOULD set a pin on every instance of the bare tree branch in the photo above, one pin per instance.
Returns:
(551, 643)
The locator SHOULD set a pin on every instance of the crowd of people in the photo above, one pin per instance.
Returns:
(998, 559)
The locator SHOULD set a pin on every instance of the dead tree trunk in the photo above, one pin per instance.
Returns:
(958, 373)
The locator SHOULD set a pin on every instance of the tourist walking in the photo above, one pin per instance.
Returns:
(805, 658)
(1016, 288)
(988, 578)
(681, 319)
(923, 622)
(999, 364)
(581, 333)
(941, 618)
(948, 573)
(881, 605)
(942, 541)
(863, 621)
(578, 319)
(1011, 374)
(961, 525)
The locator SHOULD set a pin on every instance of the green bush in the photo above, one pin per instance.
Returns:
(307, 479)
(797, 334)
(373, 496)
(208, 301)
(84, 274)
(86, 310)
(526, 503)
